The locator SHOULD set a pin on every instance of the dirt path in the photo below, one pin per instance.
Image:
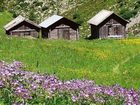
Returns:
(116, 68)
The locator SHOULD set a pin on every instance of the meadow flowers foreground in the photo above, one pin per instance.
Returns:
(20, 87)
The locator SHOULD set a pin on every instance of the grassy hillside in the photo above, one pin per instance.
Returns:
(84, 12)
(37, 10)
(5, 17)
(105, 61)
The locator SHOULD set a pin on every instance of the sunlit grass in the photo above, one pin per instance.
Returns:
(105, 61)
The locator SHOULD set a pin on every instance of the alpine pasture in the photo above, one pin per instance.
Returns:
(107, 61)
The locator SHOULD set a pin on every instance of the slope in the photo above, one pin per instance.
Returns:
(105, 61)
(82, 13)
(5, 17)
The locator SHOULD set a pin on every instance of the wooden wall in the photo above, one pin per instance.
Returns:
(24, 29)
(112, 28)
(61, 32)
(62, 29)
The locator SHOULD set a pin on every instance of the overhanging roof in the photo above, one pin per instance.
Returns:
(51, 20)
(102, 16)
(17, 21)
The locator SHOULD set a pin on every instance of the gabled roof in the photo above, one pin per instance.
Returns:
(102, 16)
(50, 21)
(17, 21)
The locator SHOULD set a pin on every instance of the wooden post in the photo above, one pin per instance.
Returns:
(125, 36)
(49, 36)
(77, 34)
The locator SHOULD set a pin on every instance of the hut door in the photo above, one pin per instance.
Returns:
(118, 30)
(110, 30)
(65, 33)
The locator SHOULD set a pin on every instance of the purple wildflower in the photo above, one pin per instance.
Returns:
(22, 92)
(1, 84)
(25, 84)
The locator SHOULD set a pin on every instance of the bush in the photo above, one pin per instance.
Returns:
(1, 10)
(138, 1)
(123, 10)
(13, 13)
(126, 14)
(32, 15)
(121, 2)
(1, 5)
(77, 18)
(134, 12)
(137, 6)
(45, 8)
(76, 15)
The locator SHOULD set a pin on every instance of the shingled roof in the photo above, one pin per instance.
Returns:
(102, 16)
(17, 21)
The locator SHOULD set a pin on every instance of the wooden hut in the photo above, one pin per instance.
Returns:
(21, 26)
(106, 24)
(58, 27)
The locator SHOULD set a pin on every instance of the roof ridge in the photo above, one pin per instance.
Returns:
(51, 20)
(14, 22)
(102, 16)
(18, 20)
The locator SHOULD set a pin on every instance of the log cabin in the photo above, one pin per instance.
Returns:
(107, 24)
(58, 27)
(21, 26)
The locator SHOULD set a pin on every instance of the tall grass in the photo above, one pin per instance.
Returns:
(106, 61)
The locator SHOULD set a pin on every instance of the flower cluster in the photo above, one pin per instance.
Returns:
(26, 86)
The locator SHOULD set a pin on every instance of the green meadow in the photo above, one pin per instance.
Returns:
(107, 62)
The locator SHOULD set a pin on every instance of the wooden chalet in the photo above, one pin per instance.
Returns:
(21, 26)
(58, 27)
(106, 24)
